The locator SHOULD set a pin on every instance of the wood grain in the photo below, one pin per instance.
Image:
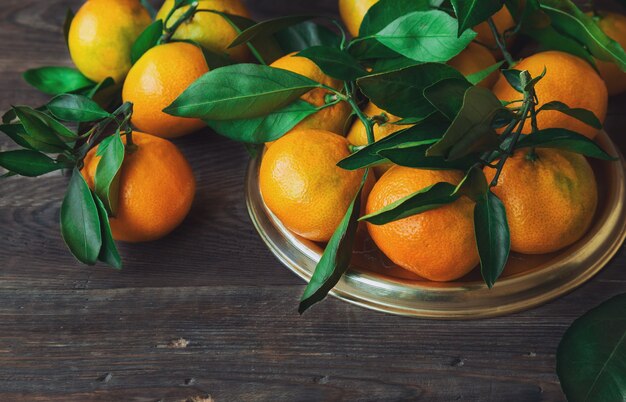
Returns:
(75, 333)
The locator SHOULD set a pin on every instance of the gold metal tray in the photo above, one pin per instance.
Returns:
(374, 282)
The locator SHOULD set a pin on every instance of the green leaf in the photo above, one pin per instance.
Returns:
(584, 115)
(336, 258)
(492, 237)
(431, 197)
(401, 92)
(334, 62)
(479, 76)
(57, 80)
(566, 17)
(44, 138)
(414, 155)
(269, 27)
(474, 185)
(591, 358)
(447, 95)
(564, 139)
(305, 35)
(426, 132)
(76, 108)
(472, 12)
(8, 116)
(392, 64)
(428, 36)
(471, 131)
(17, 133)
(106, 181)
(148, 6)
(69, 17)
(259, 90)
(148, 39)
(384, 12)
(108, 252)
(266, 128)
(80, 222)
(514, 78)
(29, 163)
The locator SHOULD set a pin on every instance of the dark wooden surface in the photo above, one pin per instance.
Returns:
(72, 333)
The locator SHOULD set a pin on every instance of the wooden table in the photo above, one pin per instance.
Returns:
(75, 333)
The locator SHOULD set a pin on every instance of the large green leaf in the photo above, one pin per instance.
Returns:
(39, 134)
(106, 180)
(265, 128)
(428, 36)
(305, 35)
(335, 62)
(431, 197)
(148, 39)
(591, 358)
(401, 92)
(80, 222)
(414, 155)
(76, 108)
(584, 115)
(472, 12)
(258, 90)
(17, 133)
(471, 131)
(269, 27)
(567, 140)
(492, 236)
(447, 95)
(57, 80)
(336, 258)
(108, 251)
(29, 163)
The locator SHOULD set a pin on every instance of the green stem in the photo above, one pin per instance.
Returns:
(170, 31)
(500, 42)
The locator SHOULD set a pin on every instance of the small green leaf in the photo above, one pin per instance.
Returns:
(591, 358)
(76, 108)
(80, 222)
(401, 92)
(29, 163)
(336, 258)
(472, 12)
(479, 76)
(474, 185)
(427, 36)
(447, 95)
(57, 80)
(269, 27)
(564, 139)
(431, 197)
(106, 180)
(396, 63)
(426, 132)
(69, 17)
(471, 131)
(108, 252)
(492, 237)
(44, 137)
(334, 62)
(259, 91)
(514, 78)
(266, 128)
(584, 115)
(148, 39)
(305, 35)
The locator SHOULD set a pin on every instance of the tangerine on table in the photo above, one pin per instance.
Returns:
(156, 80)
(439, 244)
(332, 118)
(156, 190)
(550, 198)
(302, 185)
(210, 30)
(102, 34)
(568, 79)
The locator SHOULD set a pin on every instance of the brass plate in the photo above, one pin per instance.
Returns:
(528, 281)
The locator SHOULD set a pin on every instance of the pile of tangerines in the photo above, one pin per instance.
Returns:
(550, 195)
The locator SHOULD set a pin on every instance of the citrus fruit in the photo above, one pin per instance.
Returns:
(156, 80)
(550, 199)
(302, 185)
(156, 189)
(503, 21)
(568, 79)
(473, 59)
(332, 118)
(209, 30)
(352, 13)
(614, 25)
(357, 135)
(102, 34)
(439, 244)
